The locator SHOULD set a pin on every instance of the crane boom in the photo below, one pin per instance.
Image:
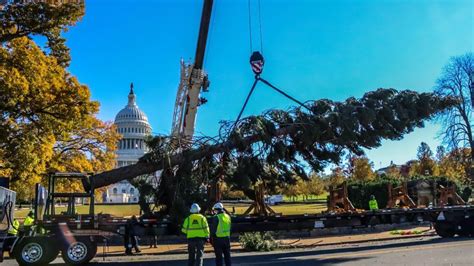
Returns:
(193, 79)
(203, 31)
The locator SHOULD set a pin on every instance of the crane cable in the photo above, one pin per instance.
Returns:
(257, 62)
(259, 25)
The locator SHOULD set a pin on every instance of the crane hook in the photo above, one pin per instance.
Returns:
(257, 62)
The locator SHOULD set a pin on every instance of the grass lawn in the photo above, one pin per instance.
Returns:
(285, 209)
(115, 210)
(301, 198)
(129, 210)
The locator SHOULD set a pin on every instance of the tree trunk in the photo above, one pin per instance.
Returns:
(142, 168)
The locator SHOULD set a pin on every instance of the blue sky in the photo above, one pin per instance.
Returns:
(313, 49)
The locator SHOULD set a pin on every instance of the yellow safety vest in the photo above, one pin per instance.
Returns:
(14, 228)
(223, 228)
(373, 205)
(195, 226)
(29, 221)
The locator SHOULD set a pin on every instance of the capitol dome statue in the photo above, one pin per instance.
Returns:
(132, 124)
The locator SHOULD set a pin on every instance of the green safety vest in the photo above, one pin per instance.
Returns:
(195, 226)
(14, 229)
(223, 228)
(29, 221)
(373, 205)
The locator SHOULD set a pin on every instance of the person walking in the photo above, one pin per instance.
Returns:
(130, 237)
(133, 234)
(196, 229)
(220, 234)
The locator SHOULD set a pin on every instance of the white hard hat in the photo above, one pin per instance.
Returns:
(218, 206)
(195, 208)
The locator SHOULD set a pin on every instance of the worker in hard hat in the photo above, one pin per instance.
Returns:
(373, 205)
(12, 233)
(13, 230)
(197, 232)
(28, 223)
(30, 219)
(220, 234)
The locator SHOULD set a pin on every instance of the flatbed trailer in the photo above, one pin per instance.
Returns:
(76, 237)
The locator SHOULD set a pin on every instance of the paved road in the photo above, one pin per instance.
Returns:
(419, 251)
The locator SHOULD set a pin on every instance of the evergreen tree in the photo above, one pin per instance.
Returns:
(426, 166)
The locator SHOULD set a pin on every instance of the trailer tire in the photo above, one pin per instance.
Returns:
(31, 251)
(79, 252)
(445, 230)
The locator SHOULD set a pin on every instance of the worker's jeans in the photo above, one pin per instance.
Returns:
(195, 251)
(222, 247)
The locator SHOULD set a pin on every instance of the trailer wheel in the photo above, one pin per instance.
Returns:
(31, 251)
(445, 230)
(79, 252)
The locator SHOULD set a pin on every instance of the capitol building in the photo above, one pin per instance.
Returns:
(132, 124)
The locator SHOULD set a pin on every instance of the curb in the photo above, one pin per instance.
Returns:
(358, 241)
(241, 250)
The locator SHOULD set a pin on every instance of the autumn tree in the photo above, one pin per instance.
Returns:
(48, 121)
(336, 177)
(315, 185)
(457, 80)
(393, 171)
(362, 169)
(44, 19)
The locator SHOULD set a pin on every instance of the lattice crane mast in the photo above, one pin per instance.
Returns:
(193, 80)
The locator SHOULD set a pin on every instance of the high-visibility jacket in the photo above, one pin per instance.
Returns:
(195, 225)
(14, 228)
(373, 205)
(29, 221)
(223, 227)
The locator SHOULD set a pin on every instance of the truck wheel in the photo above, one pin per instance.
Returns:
(445, 230)
(79, 252)
(31, 251)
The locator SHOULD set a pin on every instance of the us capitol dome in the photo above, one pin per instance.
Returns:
(133, 125)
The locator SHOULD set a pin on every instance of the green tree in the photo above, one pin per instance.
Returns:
(315, 185)
(292, 191)
(440, 153)
(427, 165)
